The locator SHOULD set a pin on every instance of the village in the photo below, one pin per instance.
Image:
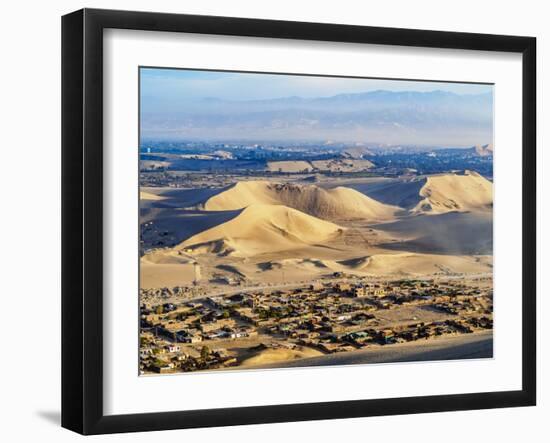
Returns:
(190, 330)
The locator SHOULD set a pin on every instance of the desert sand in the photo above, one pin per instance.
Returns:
(453, 192)
(433, 194)
(289, 166)
(332, 165)
(467, 346)
(261, 228)
(143, 195)
(331, 204)
(261, 232)
(277, 355)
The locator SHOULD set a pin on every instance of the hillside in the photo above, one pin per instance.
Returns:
(263, 228)
(335, 203)
(455, 192)
(332, 165)
(435, 194)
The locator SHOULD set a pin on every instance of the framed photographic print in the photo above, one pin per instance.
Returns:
(270, 221)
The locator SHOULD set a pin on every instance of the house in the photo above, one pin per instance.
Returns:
(343, 287)
(163, 367)
(188, 337)
(217, 334)
(238, 334)
(388, 336)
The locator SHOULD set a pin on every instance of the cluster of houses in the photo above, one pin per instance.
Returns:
(151, 294)
(331, 317)
(170, 358)
(417, 331)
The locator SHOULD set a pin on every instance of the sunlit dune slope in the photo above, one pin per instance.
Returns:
(455, 192)
(419, 264)
(436, 194)
(263, 228)
(143, 195)
(332, 204)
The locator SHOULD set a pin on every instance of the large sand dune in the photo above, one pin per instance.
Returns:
(454, 192)
(263, 232)
(434, 194)
(172, 226)
(263, 228)
(332, 204)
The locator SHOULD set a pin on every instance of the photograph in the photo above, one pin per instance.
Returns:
(296, 220)
(267, 222)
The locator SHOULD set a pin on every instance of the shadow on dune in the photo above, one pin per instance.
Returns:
(405, 194)
(455, 233)
(181, 198)
(183, 223)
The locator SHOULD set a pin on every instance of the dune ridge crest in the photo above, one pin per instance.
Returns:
(261, 228)
(455, 192)
(336, 203)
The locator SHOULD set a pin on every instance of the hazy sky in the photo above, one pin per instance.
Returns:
(161, 88)
(173, 106)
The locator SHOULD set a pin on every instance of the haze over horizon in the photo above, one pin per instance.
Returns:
(212, 105)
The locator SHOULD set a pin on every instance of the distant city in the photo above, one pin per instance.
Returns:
(387, 160)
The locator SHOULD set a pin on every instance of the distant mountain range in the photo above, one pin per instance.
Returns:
(435, 118)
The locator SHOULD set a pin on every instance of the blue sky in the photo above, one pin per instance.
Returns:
(162, 88)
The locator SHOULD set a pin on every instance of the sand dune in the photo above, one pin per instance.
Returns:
(332, 204)
(333, 165)
(342, 165)
(454, 192)
(263, 228)
(174, 198)
(260, 231)
(274, 355)
(421, 264)
(309, 264)
(434, 194)
(403, 193)
(143, 195)
(172, 226)
(289, 166)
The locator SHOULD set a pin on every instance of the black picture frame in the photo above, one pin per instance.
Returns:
(82, 239)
